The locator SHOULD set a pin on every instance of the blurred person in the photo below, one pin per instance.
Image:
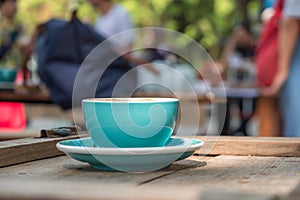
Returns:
(238, 49)
(287, 78)
(237, 62)
(266, 15)
(266, 57)
(12, 37)
(113, 19)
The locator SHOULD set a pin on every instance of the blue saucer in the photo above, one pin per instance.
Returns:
(129, 159)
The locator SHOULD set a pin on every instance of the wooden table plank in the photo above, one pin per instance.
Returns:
(236, 175)
(251, 174)
(70, 179)
(265, 176)
(256, 146)
(29, 149)
(200, 98)
(25, 96)
(5, 136)
(295, 194)
(63, 190)
(226, 195)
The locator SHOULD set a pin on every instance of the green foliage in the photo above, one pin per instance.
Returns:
(207, 21)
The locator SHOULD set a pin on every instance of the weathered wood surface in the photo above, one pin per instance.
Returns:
(62, 190)
(4, 136)
(26, 96)
(271, 175)
(200, 98)
(233, 177)
(294, 195)
(257, 146)
(29, 149)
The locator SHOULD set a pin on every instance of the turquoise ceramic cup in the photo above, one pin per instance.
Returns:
(7, 74)
(130, 122)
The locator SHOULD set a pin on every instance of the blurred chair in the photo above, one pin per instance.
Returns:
(13, 117)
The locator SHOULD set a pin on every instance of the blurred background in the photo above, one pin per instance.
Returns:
(207, 22)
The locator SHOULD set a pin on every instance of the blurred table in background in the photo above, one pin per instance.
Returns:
(28, 94)
(37, 111)
(244, 96)
(213, 96)
(219, 97)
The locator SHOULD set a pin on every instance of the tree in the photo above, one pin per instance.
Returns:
(206, 21)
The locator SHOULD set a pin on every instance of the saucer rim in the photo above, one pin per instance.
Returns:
(186, 147)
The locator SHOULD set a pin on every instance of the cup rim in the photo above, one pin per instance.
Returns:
(131, 100)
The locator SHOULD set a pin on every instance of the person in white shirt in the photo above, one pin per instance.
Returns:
(114, 19)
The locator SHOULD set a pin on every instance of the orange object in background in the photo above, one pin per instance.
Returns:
(12, 117)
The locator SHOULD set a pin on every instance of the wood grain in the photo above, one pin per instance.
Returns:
(25, 96)
(201, 98)
(29, 149)
(233, 177)
(256, 146)
(249, 174)
(61, 190)
(226, 195)
(295, 194)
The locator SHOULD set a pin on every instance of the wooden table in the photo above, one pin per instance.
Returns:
(235, 168)
(26, 95)
(199, 97)
(220, 98)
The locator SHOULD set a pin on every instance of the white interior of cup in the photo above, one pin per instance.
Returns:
(128, 100)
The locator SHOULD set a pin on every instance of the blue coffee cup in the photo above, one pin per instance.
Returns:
(130, 122)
